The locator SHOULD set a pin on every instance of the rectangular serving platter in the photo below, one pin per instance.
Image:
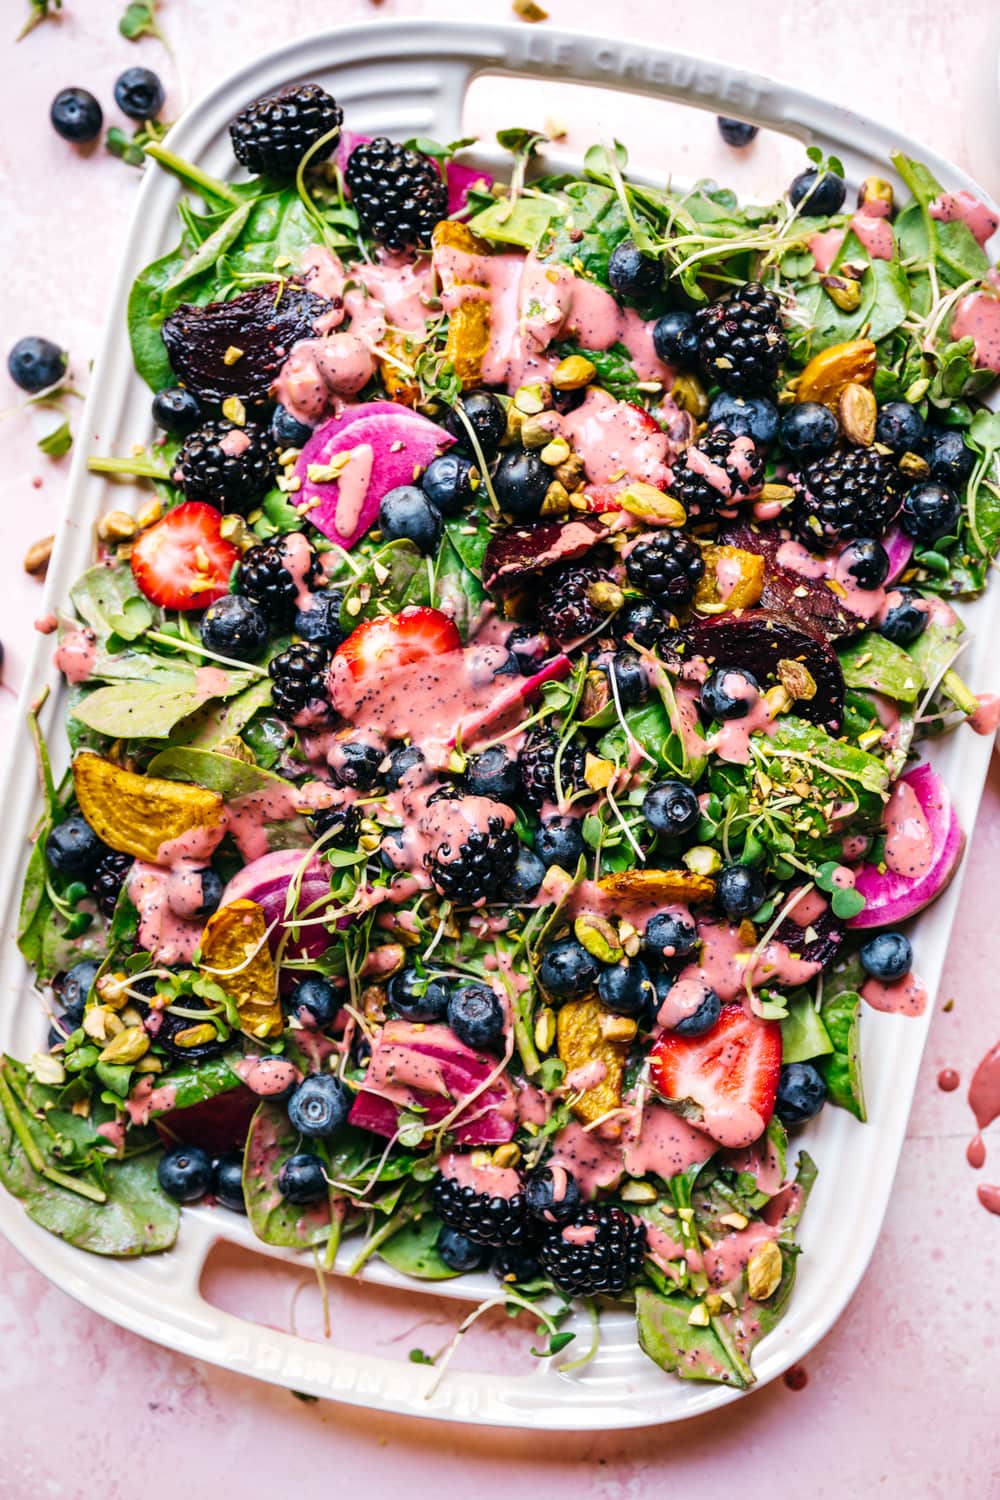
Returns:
(407, 78)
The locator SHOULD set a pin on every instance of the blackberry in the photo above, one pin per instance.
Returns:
(108, 879)
(226, 465)
(537, 764)
(480, 865)
(735, 473)
(272, 134)
(845, 495)
(343, 824)
(567, 608)
(666, 565)
(607, 1263)
(298, 676)
(482, 1218)
(264, 579)
(741, 341)
(399, 194)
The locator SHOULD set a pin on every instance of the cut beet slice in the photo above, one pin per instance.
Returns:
(891, 898)
(758, 641)
(261, 324)
(217, 1124)
(819, 949)
(266, 880)
(520, 552)
(809, 602)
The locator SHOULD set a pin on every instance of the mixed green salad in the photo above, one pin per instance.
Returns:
(495, 789)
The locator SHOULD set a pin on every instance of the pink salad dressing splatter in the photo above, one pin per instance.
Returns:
(875, 234)
(978, 317)
(46, 624)
(900, 997)
(267, 1076)
(984, 1101)
(989, 1197)
(726, 960)
(909, 848)
(825, 247)
(964, 206)
(498, 1182)
(75, 654)
(986, 718)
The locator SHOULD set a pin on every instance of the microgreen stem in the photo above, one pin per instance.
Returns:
(129, 468)
(195, 650)
(208, 186)
(594, 1314)
(392, 1225)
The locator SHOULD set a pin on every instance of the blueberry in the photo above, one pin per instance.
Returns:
(630, 678)
(76, 115)
(65, 1024)
(670, 936)
(626, 989)
(905, 619)
(488, 418)
(232, 626)
(288, 431)
(866, 561)
(808, 430)
(887, 956)
(320, 623)
(406, 515)
(527, 877)
(402, 760)
(337, 825)
(392, 837)
(176, 410)
(77, 983)
(552, 1194)
(494, 774)
(633, 274)
(73, 848)
(516, 1263)
(930, 510)
(185, 1173)
(302, 1179)
(356, 765)
(736, 132)
(703, 1019)
(227, 1182)
(139, 93)
(675, 339)
(530, 647)
(320, 1105)
(671, 808)
(521, 483)
(640, 619)
(34, 364)
(949, 457)
(567, 969)
(450, 482)
(211, 893)
(745, 416)
(729, 693)
(314, 1000)
(801, 1093)
(816, 195)
(475, 1015)
(559, 841)
(900, 427)
(739, 890)
(458, 1252)
(417, 998)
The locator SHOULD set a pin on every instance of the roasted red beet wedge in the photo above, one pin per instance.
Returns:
(810, 602)
(758, 641)
(261, 324)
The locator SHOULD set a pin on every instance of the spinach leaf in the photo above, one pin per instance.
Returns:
(223, 774)
(218, 722)
(523, 223)
(841, 1015)
(803, 1035)
(585, 236)
(36, 908)
(874, 663)
(682, 1348)
(151, 710)
(394, 576)
(271, 1140)
(413, 1250)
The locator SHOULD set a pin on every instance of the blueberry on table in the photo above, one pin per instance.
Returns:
(227, 1182)
(235, 627)
(73, 848)
(407, 515)
(475, 1015)
(739, 890)
(139, 93)
(900, 427)
(417, 998)
(808, 430)
(930, 510)
(906, 617)
(458, 1252)
(185, 1173)
(801, 1093)
(521, 483)
(671, 808)
(675, 339)
(302, 1179)
(288, 431)
(703, 1019)
(526, 879)
(817, 195)
(552, 1194)
(494, 774)
(34, 364)
(948, 456)
(314, 1000)
(632, 273)
(887, 956)
(745, 416)
(486, 415)
(736, 132)
(729, 693)
(669, 936)
(867, 562)
(559, 841)
(450, 482)
(76, 115)
(176, 410)
(320, 1105)
(626, 989)
(567, 969)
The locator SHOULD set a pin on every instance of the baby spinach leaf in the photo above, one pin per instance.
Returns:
(149, 353)
(223, 774)
(271, 1140)
(36, 909)
(683, 1348)
(217, 722)
(803, 1035)
(58, 442)
(522, 223)
(877, 664)
(150, 710)
(207, 253)
(615, 371)
(137, 1218)
(394, 576)
(585, 236)
(413, 1250)
(841, 1015)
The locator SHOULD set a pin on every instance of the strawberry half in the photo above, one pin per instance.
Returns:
(184, 561)
(394, 641)
(731, 1073)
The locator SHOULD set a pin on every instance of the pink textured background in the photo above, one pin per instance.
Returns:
(902, 1398)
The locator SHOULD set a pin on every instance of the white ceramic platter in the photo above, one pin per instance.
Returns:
(406, 78)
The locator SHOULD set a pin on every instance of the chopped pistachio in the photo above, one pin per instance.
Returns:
(764, 1271)
(638, 1192)
(734, 1220)
(116, 526)
(234, 409)
(232, 355)
(507, 1156)
(572, 373)
(651, 504)
(555, 453)
(545, 1029)
(599, 937)
(196, 1036)
(698, 1316)
(129, 1045)
(703, 860)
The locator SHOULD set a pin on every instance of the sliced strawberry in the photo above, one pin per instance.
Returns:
(184, 561)
(393, 641)
(731, 1073)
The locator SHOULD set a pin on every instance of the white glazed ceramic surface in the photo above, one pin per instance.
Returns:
(406, 78)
